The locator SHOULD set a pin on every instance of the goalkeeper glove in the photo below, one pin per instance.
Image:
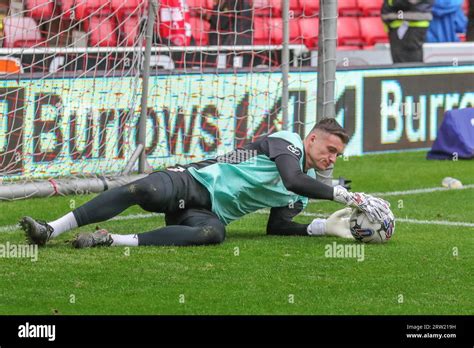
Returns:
(337, 224)
(376, 209)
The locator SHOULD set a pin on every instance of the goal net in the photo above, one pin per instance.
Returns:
(71, 83)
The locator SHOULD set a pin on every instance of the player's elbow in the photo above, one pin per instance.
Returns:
(290, 184)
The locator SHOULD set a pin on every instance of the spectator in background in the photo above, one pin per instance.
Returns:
(448, 20)
(470, 22)
(175, 29)
(231, 23)
(407, 22)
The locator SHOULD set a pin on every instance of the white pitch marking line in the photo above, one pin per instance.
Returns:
(410, 221)
(12, 228)
(423, 190)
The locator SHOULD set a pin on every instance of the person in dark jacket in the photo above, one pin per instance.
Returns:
(470, 22)
(407, 22)
(231, 23)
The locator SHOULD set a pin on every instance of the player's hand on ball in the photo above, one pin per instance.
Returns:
(380, 209)
(376, 209)
(337, 224)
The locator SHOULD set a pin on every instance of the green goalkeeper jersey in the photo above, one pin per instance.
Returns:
(247, 179)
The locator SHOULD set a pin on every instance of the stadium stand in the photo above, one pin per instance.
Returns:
(372, 31)
(348, 32)
(200, 8)
(127, 13)
(370, 7)
(67, 9)
(129, 30)
(200, 28)
(275, 27)
(84, 8)
(309, 28)
(21, 32)
(102, 31)
(348, 8)
(295, 32)
(40, 9)
(267, 8)
(261, 34)
(117, 22)
(309, 7)
(124, 8)
(296, 9)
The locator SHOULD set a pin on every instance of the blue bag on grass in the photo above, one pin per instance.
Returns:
(455, 136)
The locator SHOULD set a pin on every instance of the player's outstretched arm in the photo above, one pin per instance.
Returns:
(300, 183)
(281, 223)
(376, 209)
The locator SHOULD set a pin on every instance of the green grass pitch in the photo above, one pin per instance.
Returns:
(426, 268)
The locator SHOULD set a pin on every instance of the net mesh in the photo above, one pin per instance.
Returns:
(71, 86)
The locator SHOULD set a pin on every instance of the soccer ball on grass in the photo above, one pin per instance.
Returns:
(370, 232)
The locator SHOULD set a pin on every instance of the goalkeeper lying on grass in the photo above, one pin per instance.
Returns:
(200, 199)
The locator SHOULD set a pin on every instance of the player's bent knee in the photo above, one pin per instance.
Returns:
(212, 235)
(143, 193)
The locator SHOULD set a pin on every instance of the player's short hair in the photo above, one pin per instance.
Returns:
(330, 125)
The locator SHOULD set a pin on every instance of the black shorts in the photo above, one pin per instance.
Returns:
(177, 195)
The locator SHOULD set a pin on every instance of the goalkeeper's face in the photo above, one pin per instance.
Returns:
(322, 149)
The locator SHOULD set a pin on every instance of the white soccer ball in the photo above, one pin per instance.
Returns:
(370, 232)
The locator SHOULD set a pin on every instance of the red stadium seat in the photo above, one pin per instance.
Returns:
(295, 32)
(21, 32)
(309, 7)
(370, 7)
(348, 32)
(372, 30)
(296, 8)
(67, 9)
(348, 8)
(39, 9)
(276, 7)
(85, 8)
(128, 14)
(261, 33)
(102, 31)
(275, 26)
(200, 29)
(130, 29)
(199, 8)
(272, 8)
(309, 28)
(124, 8)
(262, 7)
